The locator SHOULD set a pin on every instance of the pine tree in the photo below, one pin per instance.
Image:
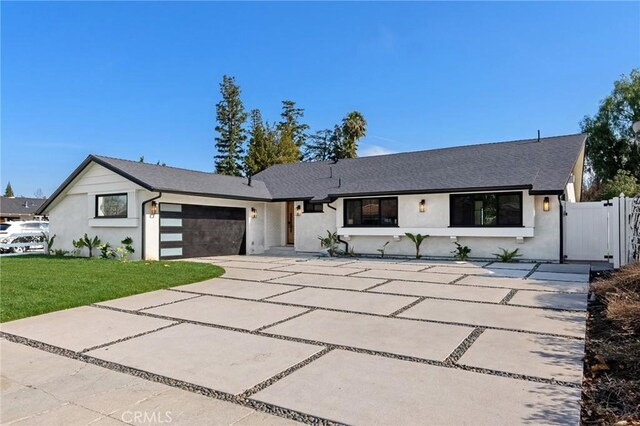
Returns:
(231, 116)
(290, 126)
(262, 151)
(8, 192)
(287, 149)
(318, 146)
(336, 142)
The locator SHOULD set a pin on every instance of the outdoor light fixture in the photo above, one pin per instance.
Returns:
(154, 208)
(423, 206)
(298, 210)
(254, 212)
(545, 204)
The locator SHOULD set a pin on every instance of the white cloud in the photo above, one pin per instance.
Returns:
(370, 150)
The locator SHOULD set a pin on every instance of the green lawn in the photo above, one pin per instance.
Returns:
(33, 285)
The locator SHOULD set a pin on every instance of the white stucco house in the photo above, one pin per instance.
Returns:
(486, 196)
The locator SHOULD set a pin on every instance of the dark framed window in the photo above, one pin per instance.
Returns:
(313, 207)
(486, 209)
(111, 205)
(380, 212)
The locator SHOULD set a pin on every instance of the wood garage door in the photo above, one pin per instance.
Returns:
(195, 231)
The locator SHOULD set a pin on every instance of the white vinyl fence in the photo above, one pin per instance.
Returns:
(603, 231)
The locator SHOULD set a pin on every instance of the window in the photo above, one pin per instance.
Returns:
(490, 209)
(313, 207)
(111, 205)
(371, 212)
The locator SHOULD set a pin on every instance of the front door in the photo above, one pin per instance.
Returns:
(290, 222)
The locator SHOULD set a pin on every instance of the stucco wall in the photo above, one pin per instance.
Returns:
(73, 215)
(538, 238)
(309, 226)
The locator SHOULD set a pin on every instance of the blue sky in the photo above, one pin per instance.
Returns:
(131, 79)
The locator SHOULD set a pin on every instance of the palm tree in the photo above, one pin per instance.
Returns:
(354, 128)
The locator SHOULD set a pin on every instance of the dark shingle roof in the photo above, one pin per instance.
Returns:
(541, 166)
(171, 179)
(20, 205)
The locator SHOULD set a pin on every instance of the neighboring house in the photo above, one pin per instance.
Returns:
(485, 196)
(19, 208)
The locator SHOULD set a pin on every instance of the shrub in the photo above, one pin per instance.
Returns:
(382, 249)
(89, 243)
(507, 255)
(621, 293)
(417, 240)
(48, 241)
(461, 252)
(329, 242)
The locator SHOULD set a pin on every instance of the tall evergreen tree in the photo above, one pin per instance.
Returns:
(290, 124)
(8, 192)
(318, 146)
(231, 116)
(262, 150)
(337, 144)
(354, 128)
(287, 149)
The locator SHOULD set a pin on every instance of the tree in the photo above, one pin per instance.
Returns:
(262, 151)
(290, 123)
(610, 145)
(354, 128)
(39, 194)
(287, 150)
(8, 192)
(318, 146)
(336, 141)
(622, 183)
(231, 116)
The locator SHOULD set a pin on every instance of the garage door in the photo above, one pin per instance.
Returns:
(195, 231)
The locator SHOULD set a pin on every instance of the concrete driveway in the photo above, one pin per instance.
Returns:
(346, 341)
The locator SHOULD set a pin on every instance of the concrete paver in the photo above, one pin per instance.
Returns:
(525, 284)
(379, 264)
(359, 389)
(236, 288)
(252, 275)
(235, 313)
(58, 397)
(401, 337)
(82, 328)
(410, 276)
(321, 270)
(543, 299)
(327, 262)
(373, 303)
(548, 357)
(311, 280)
(223, 360)
(456, 263)
(558, 276)
(260, 266)
(566, 268)
(501, 316)
(146, 300)
(479, 271)
(525, 266)
(446, 291)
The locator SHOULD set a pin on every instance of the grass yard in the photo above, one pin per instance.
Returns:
(33, 285)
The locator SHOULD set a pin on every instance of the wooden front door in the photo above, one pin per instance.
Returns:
(290, 222)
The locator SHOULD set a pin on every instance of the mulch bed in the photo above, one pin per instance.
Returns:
(611, 386)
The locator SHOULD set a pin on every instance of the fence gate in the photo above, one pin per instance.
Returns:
(587, 230)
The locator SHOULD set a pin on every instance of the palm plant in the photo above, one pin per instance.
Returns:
(354, 128)
(417, 240)
(329, 242)
(382, 249)
(507, 255)
(90, 243)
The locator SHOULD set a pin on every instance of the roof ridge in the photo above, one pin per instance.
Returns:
(518, 141)
(167, 167)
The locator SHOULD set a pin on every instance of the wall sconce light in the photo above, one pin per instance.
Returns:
(299, 210)
(545, 204)
(154, 208)
(254, 213)
(423, 206)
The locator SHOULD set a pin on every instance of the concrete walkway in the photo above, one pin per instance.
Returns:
(329, 340)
